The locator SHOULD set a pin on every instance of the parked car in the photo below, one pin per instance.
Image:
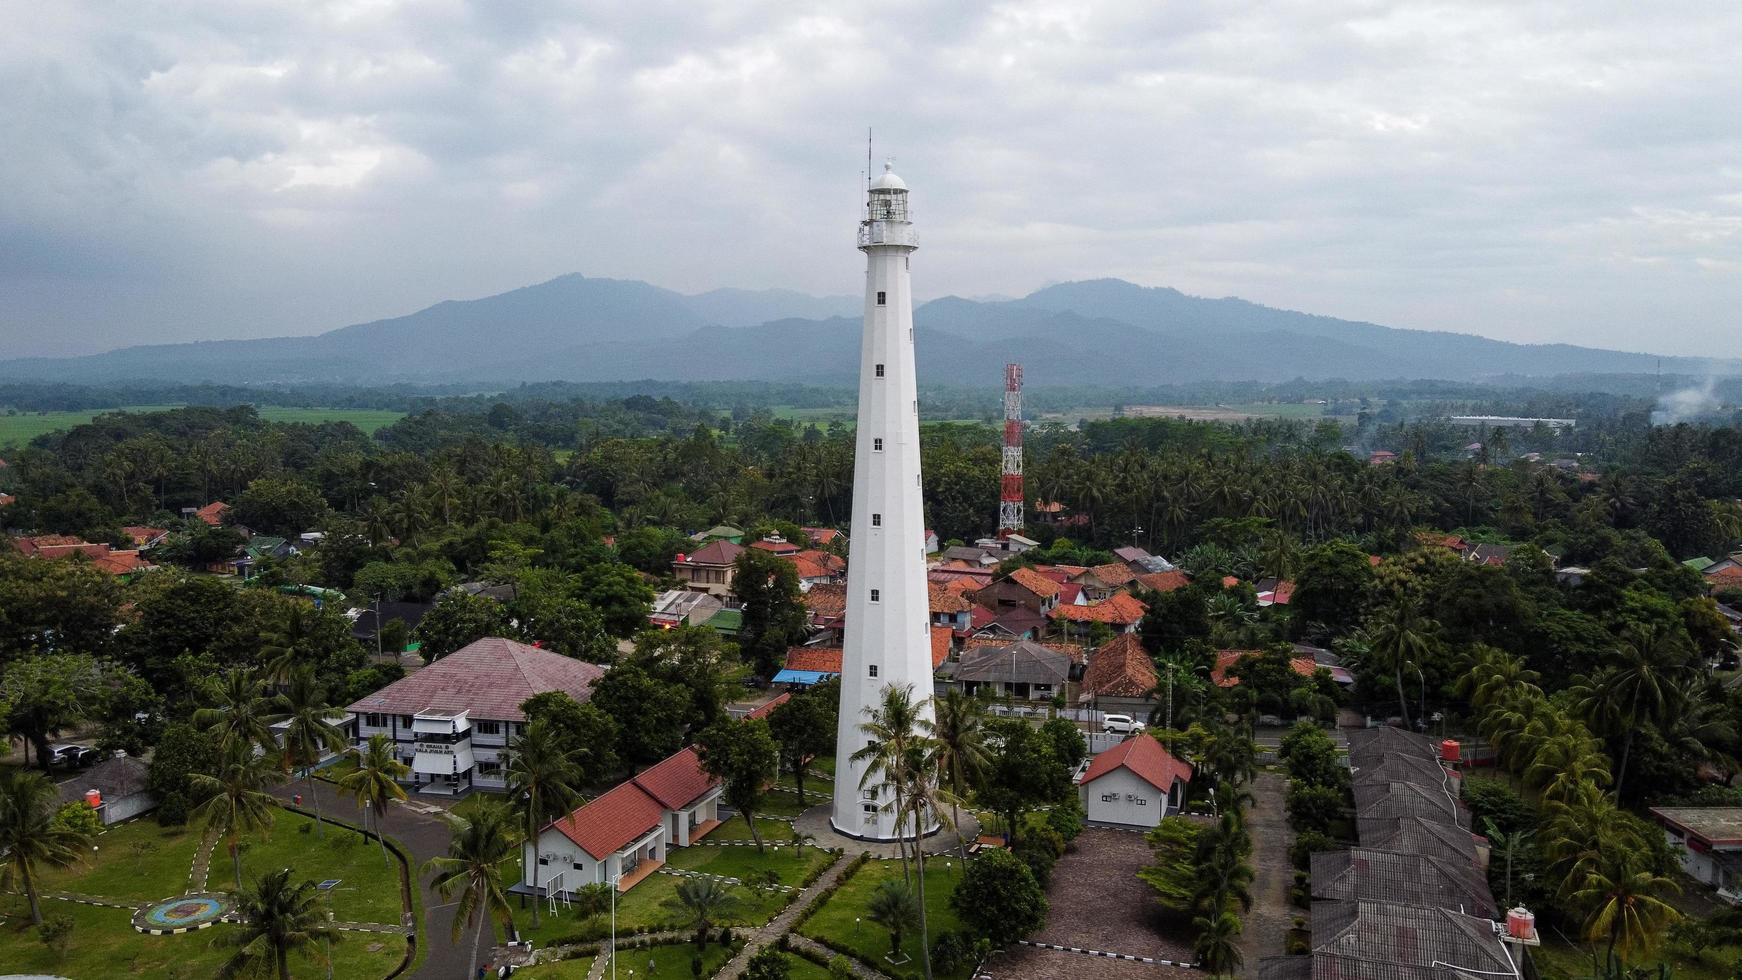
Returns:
(1120, 724)
(72, 755)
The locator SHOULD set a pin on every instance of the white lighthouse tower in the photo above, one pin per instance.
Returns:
(888, 631)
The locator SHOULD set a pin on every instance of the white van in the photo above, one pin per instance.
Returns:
(1120, 724)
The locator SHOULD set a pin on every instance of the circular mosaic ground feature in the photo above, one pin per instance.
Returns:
(181, 914)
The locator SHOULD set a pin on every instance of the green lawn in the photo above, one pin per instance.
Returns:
(778, 804)
(1558, 960)
(738, 828)
(157, 868)
(104, 944)
(669, 962)
(642, 908)
(18, 429)
(869, 941)
(740, 862)
(368, 889)
(575, 969)
(803, 969)
(367, 419)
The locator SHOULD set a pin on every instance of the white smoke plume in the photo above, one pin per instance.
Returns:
(1687, 404)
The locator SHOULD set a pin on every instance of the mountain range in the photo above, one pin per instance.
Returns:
(575, 328)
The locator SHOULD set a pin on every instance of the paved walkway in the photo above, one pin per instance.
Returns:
(422, 837)
(815, 823)
(200, 873)
(1267, 925)
(782, 924)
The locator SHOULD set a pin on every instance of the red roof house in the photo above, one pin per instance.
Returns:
(1133, 784)
(213, 513)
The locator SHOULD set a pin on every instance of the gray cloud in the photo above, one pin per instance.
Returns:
(1540, 171)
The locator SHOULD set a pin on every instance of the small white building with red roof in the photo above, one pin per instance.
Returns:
(624, 834)
(1133, 784)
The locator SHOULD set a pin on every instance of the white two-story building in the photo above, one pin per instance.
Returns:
(451, 721)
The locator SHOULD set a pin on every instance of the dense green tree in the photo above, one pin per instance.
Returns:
(1025, 771)
(999, 899)
(804, 727)
(774, 618)
(618, 595)
(283, 507)
(47, 693)
(651, 716)
(55, 607)
(457, 620)
(589, 732)
(1332, 589)
(743, 756)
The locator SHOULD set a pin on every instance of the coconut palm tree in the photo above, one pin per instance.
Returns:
(926, 797)
(960, 736)
(278, 919)
(891, 729)
(1633, 689)
(375, 783)
(1621, 893)
(236, 799)
(473, 868)
(30, 837)
(1400, 637)
(1217, 946)
(703, 902)
(239, 712)
(1508, 846)
(894, 907)
(543, 772)
(309, 735)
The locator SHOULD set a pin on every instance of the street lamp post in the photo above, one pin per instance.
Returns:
(1422, 715)
(614, 882)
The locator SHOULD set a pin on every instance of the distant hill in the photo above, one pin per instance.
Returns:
(574, 328)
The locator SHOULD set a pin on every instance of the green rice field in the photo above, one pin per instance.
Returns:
(18, 428)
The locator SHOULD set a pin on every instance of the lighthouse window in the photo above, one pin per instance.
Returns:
(876, 596)
(876, 520)
(881, 297)
(877, 445)
(880, 370)
(873, 670)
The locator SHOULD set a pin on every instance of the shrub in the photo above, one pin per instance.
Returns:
(172, 810)
(78, 817)
(56, 931)
(949, 953)
(1305, 845)
(1313, 807)
(840, 968)
(1066, 819)
(1491, 799)
(768, 964)
(1039, 849)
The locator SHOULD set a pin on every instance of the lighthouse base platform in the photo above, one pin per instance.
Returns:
(818, 823)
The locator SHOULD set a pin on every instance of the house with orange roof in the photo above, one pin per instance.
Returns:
(949, 607)
(213, 513)
(821, 537)
(1164, 581)
(624, 835)
(1133, 784)
(818, 568)
(7, 499)
(1022, 587)
(145, 537)
(1120, 611)
(1121, 678)
(774, 544)
(1305, 666)
(809, 665)
(1102, 581)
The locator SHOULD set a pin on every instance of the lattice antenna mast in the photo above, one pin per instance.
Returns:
(1010, 493)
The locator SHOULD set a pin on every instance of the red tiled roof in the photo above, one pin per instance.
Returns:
(1226, 659)
(1115, 574)
(825, 600)
(1058, 573)
(1451, 541)
(776, 547)
(716, 552)
(6, 498)
(821, 535)
(213, 513)
(1375, 561)
(1283, 592)
(940, 645)
(1020, 619)
(768, 708)
(677, 780)
(1725, 576)
(1144, 757)
(140, 534)
(1165, 581)
(1119, 607)
(613, 821)
(59, 546)
(1229, 581)
(817, 564)
(1069, 593)
(1120, 669)
(945, 600)
(1034, 582)
(823, 660)
(979, 616)
(120, 563)
(489, 678)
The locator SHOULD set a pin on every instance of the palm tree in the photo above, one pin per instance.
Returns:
(894, 907)
(473, 868)
(239, 713)
(278, 919)
(925, 796)
(1509, 846)
(308, 735)
(1217, 946)
(703, 902)
(375, 783)
(1634, 689)
(1622, 895)
(30, 837)
(1400, 637)
(892, 729)
(237, 802)
(960, 734)
(543, 770)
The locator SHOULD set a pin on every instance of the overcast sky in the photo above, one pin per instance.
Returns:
(242, 168)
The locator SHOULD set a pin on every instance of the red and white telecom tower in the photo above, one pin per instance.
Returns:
(1010, 493)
